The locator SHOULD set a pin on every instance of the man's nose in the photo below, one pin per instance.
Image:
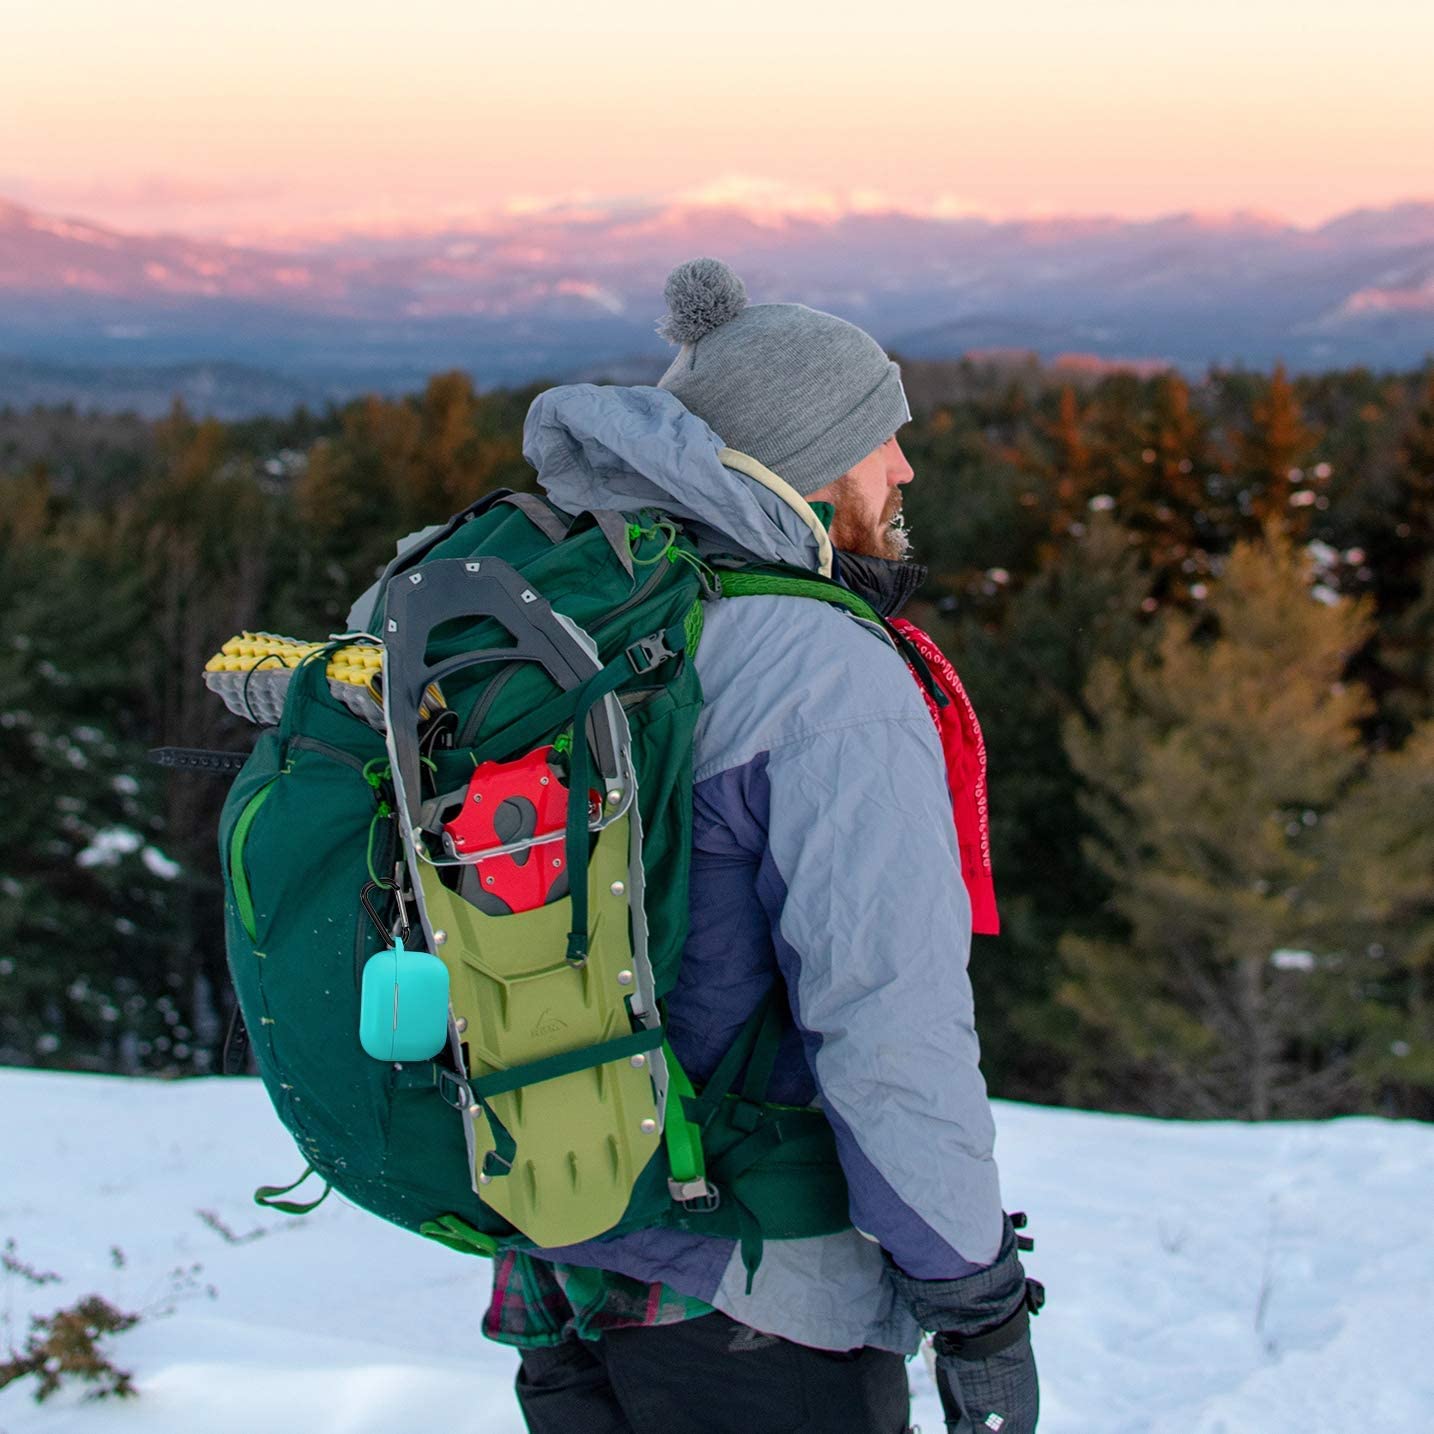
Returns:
(899, 470)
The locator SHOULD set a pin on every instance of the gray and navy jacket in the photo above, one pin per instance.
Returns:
(824, 854)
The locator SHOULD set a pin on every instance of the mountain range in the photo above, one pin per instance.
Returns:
(574, 291)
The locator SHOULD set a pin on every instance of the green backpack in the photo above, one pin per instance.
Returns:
(525, 657)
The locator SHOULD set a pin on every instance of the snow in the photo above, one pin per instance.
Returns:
(157, 864)
(108, 846)
(1203, 1278)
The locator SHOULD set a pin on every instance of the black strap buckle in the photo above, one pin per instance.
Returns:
(453, 1089)
(648, 652)
(494, 1166)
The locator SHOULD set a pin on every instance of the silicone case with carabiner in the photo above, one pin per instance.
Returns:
(403, 1005)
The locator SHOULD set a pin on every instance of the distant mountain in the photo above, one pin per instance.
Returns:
(220, 390)
(569, 292)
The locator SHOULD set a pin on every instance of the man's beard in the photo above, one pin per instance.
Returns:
(856, 530)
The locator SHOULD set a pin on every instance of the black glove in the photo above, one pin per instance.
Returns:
(985, 1367)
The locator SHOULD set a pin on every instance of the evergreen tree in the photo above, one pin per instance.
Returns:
(1206, 766)
(151, 542)
(1269, 458)
(209, 547)
(87, 875)
(1381, 842)
(1116, 421)
(1071, 465)
(1173, 516)
(1025, 674)
(1408, 535)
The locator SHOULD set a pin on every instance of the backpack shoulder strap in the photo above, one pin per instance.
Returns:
(778, 581)
(793, 582)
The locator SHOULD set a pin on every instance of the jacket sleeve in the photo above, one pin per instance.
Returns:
(862, 885)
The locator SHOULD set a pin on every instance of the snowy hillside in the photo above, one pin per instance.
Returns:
(1202, 1278)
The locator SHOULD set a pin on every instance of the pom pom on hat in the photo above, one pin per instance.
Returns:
(702, 295)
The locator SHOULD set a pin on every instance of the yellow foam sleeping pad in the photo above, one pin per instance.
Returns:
(251, 673)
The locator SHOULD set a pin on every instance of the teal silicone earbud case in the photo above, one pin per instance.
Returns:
(403, 1005)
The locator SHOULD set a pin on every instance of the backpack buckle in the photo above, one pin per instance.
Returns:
(648, 652)
(453, 1089)
(695, 1195)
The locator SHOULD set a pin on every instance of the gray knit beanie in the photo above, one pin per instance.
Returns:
(805, 393)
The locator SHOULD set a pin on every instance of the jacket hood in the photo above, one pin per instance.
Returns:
(639, 447)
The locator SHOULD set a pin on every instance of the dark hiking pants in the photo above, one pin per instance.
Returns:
(709, 1375)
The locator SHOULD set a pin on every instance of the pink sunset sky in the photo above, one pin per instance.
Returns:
(277, 116)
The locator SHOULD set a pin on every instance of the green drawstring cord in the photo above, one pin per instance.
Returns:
(382, 814)
(670, 550)
(376, 772)
(710, 579)
(661, 528)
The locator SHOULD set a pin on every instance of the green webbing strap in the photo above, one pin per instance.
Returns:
(781, 582)
(919, 665)
(459, 1235)
(499, 1160)
(753, 1053)
(773, 1132)
(749, 1239)
(700, 1109)
(764, 1052)
(265, 1194)
(607, 679)
(551, 1067)
(728, 1167)
(685, 1160)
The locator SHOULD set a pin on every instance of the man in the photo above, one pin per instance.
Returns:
(824, 861)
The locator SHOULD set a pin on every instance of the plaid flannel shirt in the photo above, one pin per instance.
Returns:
(537, 1303)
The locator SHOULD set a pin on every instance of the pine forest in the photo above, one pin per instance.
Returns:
(1195, 616)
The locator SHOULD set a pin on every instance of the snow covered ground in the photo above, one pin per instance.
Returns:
(1202, 1278)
